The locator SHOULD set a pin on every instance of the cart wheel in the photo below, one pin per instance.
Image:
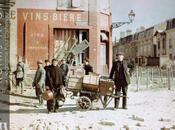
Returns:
(84, 103)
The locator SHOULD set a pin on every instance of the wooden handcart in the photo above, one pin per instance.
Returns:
(91, 88)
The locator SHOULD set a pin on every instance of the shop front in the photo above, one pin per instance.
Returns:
(46, 34)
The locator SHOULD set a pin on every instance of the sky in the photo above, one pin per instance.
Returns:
(148, 13)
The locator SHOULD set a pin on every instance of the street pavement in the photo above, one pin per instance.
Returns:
(147, 110)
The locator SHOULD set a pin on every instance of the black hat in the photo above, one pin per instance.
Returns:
(54, 60)
(47, 61)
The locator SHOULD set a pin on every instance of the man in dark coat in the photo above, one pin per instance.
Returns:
(120, 73)
(65, 70)
(56, 83)
(47, 67)
(87, 67)
(48, 85)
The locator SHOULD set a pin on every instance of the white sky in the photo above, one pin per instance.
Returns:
(148, 13)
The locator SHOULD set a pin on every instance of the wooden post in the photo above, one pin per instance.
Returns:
(172, 73)
(168, 78)
(137, 78)
(147, 75)
(152, 74)
(141, 73)
(160, 72)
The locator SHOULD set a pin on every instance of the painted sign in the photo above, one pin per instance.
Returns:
(4, 13)
(80, 47)
(52, 16)
(36, 43)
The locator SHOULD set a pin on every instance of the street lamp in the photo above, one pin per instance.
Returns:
(131, 17)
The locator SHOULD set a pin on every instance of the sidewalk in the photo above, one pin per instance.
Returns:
(27, 99)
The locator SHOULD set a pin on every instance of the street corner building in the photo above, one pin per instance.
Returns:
(52, 29)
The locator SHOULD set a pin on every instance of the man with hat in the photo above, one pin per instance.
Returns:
(39, 81)
(120, 73)
(56, 84)
(20, 74)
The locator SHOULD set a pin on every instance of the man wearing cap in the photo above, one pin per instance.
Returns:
(120, 73)
(56, 83)
(20, 74)
(39, 81)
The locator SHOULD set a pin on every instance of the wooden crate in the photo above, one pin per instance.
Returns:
(106, 87)
(75, 82)
(91, 79)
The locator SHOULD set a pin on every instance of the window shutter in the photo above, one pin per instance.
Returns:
(76, 3)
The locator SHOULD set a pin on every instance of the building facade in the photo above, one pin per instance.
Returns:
(170, 39)
(51, 29)
(149, 45)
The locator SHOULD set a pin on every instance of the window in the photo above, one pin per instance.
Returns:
(158, 45)
(76, 3)
(163, 44)
(173, 23)
(145, 33)
(64, 3)
(171, 56)
(170, 44)
(169, 24)
(103, 54)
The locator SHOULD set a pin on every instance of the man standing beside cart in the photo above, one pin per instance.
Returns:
(120, 73)
(56, 84)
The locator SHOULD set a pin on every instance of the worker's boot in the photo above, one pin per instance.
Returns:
(124, 103)
(40, 100)
(116, 104)
(117, 99)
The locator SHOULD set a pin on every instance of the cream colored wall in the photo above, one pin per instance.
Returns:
(170, 34)
(13, 40)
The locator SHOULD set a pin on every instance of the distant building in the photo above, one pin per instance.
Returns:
(170, 39)
(147, 46)
(166, 40)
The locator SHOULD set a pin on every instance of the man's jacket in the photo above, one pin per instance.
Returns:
(128, 68)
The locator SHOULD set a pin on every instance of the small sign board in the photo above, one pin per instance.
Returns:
(79, 48)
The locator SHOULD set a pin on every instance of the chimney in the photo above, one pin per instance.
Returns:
(128, 32)
(142, 28)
